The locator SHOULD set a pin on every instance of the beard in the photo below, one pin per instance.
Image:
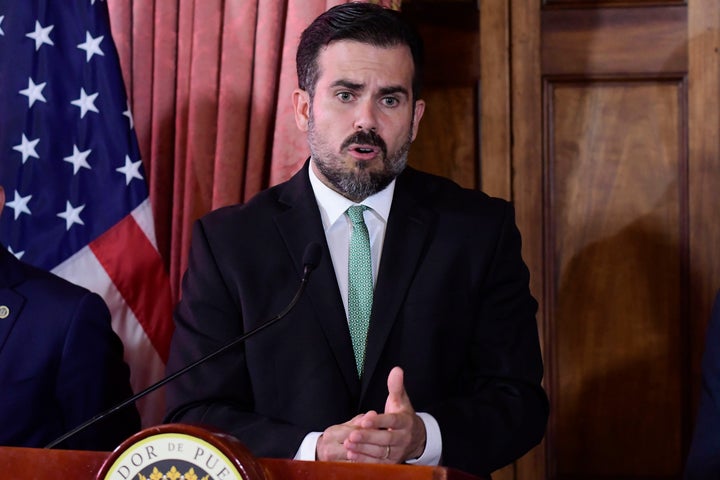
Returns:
(357, 182)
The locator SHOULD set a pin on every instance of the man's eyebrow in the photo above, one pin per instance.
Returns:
(347, 84)
(394, 89)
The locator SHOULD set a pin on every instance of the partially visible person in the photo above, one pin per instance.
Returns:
(60, 362)
(704, 459)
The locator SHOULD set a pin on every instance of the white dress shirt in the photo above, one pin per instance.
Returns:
(338, 227)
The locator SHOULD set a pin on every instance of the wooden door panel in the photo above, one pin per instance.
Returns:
(616, 228)
(614, 41)
(616, 236)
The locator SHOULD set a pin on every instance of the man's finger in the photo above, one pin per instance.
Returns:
(397, 399)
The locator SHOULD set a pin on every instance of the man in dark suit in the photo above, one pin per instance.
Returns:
(60, 362)
(704, 459)
(449, 371)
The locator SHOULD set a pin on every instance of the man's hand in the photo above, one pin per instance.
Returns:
(330, 445)
(395, 436)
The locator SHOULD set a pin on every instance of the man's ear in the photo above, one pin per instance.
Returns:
(301, 104)
(417, 115)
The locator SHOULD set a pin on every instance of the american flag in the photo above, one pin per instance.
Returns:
(76, 199)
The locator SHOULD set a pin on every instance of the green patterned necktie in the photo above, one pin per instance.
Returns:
(360, 284)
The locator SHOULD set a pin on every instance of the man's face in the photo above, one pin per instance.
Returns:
(360, 122)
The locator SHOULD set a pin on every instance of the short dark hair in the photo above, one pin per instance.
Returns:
(362, 22)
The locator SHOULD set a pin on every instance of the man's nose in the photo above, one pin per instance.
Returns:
(366, 116)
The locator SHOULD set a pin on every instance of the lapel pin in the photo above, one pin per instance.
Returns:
(4, 311)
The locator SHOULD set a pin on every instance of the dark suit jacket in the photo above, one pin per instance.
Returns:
(704, 458)
(451, 306)
(60, 362)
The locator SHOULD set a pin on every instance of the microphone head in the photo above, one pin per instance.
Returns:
(312, 255)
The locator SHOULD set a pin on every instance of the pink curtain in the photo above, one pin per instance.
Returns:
(210, 85)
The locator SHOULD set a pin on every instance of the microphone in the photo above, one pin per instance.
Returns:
(311, 259)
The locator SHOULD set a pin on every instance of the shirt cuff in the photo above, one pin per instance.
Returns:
(433, 442)
(308, 447)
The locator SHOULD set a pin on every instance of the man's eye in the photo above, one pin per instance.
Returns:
(390, 101)
(344, 96)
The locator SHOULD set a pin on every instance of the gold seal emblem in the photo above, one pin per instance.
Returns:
(173, 456)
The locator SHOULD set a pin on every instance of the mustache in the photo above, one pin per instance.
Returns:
(365, 137)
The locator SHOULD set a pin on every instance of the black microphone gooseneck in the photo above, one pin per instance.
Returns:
(311, 258)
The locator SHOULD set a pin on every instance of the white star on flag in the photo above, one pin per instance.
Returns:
(130, 170)
(41, 35)
(34, 92)
(78, 159)
(91, 46)
(18, 255)
(71, 215)
(2, 17)
(128, 114)
(27, 148)
(19, 204)
(86, 103)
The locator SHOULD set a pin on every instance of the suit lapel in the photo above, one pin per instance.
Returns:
(11, 302)
(408, 228)
(300, 226)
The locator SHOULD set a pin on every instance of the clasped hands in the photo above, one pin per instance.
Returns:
(395, 436)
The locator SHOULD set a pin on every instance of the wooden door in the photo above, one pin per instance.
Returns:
(619, 220)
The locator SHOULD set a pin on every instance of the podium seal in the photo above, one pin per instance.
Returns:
(180, 452)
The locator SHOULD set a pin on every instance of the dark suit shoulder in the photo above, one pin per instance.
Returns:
(443, 194)
(54, 288)
(48, 292)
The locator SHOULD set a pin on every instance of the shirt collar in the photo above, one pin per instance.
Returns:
(333, 205)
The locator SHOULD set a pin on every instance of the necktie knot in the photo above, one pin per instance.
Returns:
(355, 213)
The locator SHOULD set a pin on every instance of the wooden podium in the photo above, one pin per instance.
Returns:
(207, 450)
